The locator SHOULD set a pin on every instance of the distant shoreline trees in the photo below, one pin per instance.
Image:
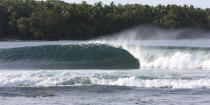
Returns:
(54, 19)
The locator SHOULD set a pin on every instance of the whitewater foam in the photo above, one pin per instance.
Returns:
(144, 79)
(176, 58)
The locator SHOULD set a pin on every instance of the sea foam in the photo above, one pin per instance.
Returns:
(144, 79)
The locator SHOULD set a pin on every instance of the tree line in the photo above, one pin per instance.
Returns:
(54, 19)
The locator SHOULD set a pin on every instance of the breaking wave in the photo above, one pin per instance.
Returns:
(165, 57)
(120, 54)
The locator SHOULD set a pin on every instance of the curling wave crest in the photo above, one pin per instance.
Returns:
(71, 56)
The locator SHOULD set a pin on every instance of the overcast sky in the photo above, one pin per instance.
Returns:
(196, 3)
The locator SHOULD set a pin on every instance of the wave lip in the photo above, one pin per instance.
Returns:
(73, 56)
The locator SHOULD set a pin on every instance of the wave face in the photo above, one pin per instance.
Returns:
(145, 79)
(73, 56)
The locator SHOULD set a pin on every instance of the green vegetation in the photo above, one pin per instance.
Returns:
(54, 19)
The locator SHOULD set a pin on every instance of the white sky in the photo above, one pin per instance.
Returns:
(196, 3)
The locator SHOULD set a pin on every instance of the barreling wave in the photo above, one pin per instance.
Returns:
(103, 56)
(72, 56)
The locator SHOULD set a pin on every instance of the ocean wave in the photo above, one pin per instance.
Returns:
(107, 55)
(71, 56)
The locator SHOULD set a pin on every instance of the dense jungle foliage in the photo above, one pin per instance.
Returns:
(53, 19)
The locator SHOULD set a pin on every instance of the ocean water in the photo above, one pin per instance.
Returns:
(159, 72)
